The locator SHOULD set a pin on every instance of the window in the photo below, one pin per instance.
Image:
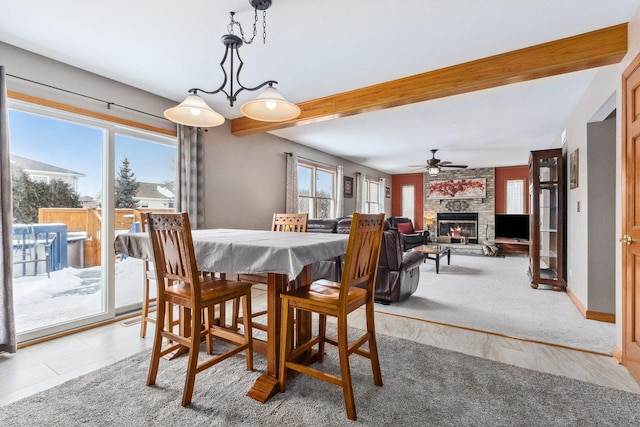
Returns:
(408, 202)
(316, 190)
(372, 202)
(40, 178)
(515, 196)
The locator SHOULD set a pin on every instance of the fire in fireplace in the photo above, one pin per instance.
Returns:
(458, 226)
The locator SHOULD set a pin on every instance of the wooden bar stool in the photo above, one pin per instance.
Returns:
(180, 283)
(338, 299)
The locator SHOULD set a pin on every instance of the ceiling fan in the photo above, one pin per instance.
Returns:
(434, 165)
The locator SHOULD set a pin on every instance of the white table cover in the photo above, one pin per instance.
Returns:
(247, 251)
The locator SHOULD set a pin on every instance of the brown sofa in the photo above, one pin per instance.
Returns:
(398, 271)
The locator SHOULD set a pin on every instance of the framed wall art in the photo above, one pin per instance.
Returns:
(471, 188)
(348, 186)
(573, 169)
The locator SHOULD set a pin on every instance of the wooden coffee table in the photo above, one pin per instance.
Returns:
(435, 252)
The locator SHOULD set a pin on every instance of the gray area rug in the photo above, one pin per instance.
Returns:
(423, 386)
(493, 294)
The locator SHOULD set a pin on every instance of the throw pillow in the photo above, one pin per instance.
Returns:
(405, 227)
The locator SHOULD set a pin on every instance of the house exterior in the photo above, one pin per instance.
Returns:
(152, 195)
(45, 172)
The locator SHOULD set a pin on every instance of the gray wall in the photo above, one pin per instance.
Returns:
(601, 225)
(30, 66)
(246, 177)
(591, 108)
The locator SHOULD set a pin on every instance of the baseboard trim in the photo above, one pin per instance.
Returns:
(591, 315)
(617, 354)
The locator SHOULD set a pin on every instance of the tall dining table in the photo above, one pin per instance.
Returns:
(283, 256)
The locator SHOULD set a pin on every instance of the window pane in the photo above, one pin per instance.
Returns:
(56, 171)
(515, 196)
(373, 192)
(304, 181)
(304, 205)
(324, 209)
(145, 178)
(324, 184)
(408, 202)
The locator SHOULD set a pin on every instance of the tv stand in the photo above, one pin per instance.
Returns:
(512, 245)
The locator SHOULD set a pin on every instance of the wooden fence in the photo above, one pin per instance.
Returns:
(87, 220)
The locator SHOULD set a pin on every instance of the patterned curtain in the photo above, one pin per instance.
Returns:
(190, 174)
(382, 194)
(340, 190)
(7, 320)
(291, 205)
(361, 192)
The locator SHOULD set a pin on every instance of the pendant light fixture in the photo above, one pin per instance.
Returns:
(269, 105)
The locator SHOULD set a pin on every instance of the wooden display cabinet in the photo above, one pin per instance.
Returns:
(547, 198)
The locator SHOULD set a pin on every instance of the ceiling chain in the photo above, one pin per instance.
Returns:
(255, 27)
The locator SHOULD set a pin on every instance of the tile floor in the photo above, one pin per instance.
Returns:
(41, 366)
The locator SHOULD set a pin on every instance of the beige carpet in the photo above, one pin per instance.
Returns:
(493, 294)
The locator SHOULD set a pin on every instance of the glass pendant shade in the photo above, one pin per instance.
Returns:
(270, 106)
(193, 111)
(434, 170)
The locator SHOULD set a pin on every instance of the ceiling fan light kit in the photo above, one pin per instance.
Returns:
(434, 166)
(269, 106)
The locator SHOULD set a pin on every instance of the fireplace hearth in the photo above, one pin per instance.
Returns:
(458, 226)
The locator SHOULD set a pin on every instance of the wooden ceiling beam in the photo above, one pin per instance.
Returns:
(589, 50)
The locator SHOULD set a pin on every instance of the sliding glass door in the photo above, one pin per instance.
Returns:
(64, 180)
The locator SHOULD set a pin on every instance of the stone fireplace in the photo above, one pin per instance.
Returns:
(483, 209)
(459, 226)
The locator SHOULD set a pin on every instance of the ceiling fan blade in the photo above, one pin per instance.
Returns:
(444, 163)
(454, 166)
(416, 166)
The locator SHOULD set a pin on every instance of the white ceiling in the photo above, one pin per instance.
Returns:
(315, 49)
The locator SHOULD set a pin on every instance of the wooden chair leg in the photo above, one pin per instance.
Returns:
(145, 306)
(322, 331)
(246, 323)
(208, 324)
(194, 349)
(345, 369)
(373, 345)
(285, 343)
(222, 315)
(235, 315)
(157, 346)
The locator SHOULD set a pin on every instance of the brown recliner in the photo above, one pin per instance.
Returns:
(398, 271)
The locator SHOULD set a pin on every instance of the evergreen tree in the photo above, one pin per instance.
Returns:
(126, 187)
(29, 196)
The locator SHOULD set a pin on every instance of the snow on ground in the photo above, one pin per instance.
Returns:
(72, 293)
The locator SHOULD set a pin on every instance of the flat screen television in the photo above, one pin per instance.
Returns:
(512, 226)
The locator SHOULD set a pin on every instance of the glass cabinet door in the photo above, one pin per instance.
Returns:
(546, 257)
(548, 217)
